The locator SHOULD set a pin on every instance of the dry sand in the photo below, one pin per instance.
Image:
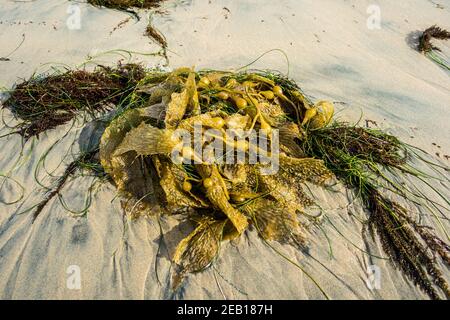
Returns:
(332, 54)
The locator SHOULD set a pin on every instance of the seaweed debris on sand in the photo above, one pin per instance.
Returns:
(427, 48)
(47, 101)
(126, 4)
(225, 199)
(153, 33)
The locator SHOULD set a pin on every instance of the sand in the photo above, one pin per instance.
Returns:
(332, 54)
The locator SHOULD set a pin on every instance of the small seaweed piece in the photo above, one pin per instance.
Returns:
(427, 48)
(85, 160)
(6, 58)
(154, 34)
(425, 44)
(151, 32)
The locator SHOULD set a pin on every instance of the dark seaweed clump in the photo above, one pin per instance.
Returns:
(126, 4)
(425, 45)
(43, 103)
(358, 156)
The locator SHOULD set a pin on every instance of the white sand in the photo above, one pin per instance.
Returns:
(332, 54)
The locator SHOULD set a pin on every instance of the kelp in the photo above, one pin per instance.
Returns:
(218, 194)
(196, 252)
(222, 200)
(132, 175)
(313, 150)
(225, 195)
(276, 222)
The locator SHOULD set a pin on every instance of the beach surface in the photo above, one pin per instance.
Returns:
(334, 49)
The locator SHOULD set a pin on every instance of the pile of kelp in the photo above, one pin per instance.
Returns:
(224, 199)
